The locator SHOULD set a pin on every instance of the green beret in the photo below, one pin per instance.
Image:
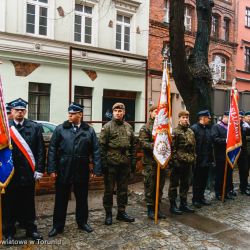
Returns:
(118, 105)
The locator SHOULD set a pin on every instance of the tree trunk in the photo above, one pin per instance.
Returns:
(192, 77)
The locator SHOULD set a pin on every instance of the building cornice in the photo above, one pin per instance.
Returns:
(40, 40)
(29, 49)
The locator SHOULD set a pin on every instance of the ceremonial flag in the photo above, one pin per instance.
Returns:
(6, 163)
(162, 124)
(234, 131)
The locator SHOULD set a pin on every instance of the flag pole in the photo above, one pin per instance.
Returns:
(224, 182)
(157, 193)
(1, 224)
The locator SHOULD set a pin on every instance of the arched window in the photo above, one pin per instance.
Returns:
(219, 68)
(166, 8)
(188, 18)
(166, 55)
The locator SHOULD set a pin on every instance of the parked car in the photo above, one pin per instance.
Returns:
(48, 129)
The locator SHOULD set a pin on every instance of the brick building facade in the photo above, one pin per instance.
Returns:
(222, 48)
(243, 40)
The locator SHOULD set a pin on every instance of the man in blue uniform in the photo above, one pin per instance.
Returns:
(71, 146)
(18, 201)
(204, 152)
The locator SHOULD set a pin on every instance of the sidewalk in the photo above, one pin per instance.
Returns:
(220, 226)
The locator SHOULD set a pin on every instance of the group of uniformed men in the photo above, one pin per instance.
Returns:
(194, 150)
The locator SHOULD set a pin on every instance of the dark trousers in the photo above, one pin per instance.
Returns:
(243, 171)
(61, 203)
(150, 176)
(120, 175)
(200, 177)
(179, 176)
(19, 205)
(219, 177)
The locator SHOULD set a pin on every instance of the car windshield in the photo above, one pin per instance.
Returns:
(48, 128)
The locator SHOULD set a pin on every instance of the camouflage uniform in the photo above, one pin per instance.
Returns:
(150, 165)
(183, 157)
(118, 159)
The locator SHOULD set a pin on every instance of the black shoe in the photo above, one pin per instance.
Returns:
(9, 240)
(174, 209)
(197, 204)
(246, 192)
(161, 215)
(108, 219)
(218, 197)
(205, 202)
(55, 231)
(185, 208)
(86, 227)
(233, 193)
(229, 197)
(123, 216)
(151, 214)
(34, 235)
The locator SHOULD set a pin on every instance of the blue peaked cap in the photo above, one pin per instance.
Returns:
(8, 107)
(241, 113)
(204, 113)
(75, 108)
(18, 104)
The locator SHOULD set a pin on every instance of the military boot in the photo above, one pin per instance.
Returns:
(173, 208)
(151, 214)
(185, 208)
(161, 215)
(122, 215)
(108, 218)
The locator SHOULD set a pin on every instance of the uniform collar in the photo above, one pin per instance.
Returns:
(17, 122)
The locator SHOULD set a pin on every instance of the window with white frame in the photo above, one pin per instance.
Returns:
(123, 32)
(247, 17)
(39, 101)
(83, 96)
(166, 56)
(166, 17)
(188, 18)
(215, 26)
(220, 63)
(83, 23)
(37, 17)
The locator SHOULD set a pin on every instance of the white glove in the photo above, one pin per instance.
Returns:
(38, 175)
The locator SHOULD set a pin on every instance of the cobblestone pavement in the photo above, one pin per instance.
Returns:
(181, 232)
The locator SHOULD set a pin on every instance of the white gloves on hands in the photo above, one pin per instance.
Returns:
(38, 175)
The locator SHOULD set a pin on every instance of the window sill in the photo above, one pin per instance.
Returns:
(40, 36)
(243, 71)
(247, 27)
(86, 44)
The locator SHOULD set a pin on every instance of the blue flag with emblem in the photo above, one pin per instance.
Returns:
(6, 163)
